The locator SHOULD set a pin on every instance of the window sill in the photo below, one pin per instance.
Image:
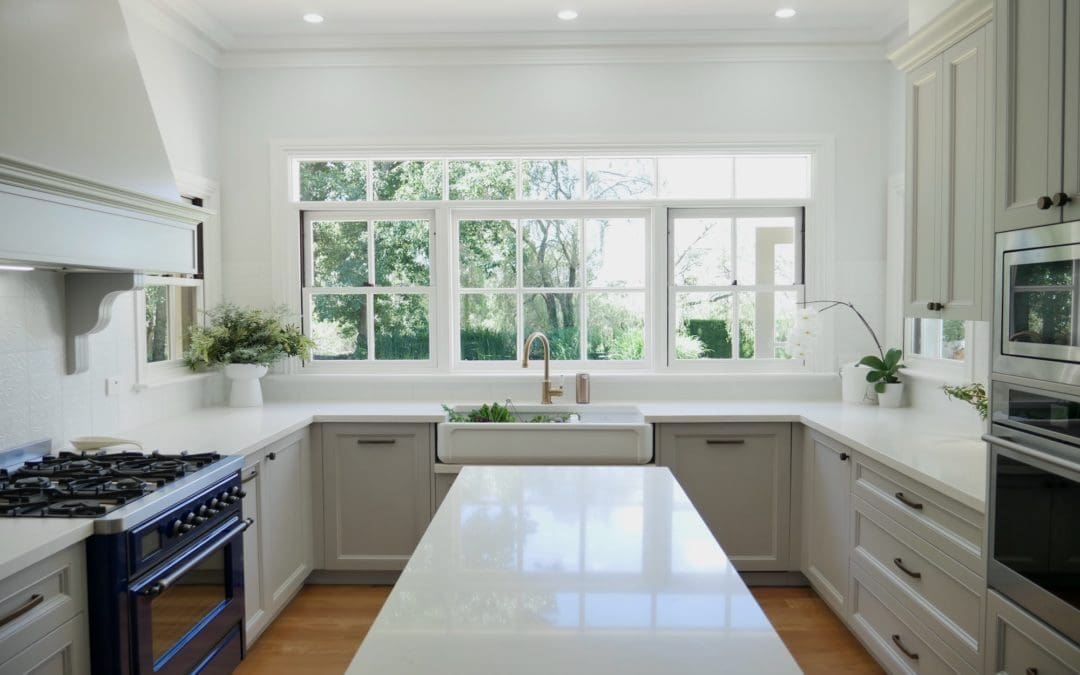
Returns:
(171, 376)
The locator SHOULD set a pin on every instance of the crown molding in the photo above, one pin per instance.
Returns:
(160, 17)
(563, 55)
(950, 26)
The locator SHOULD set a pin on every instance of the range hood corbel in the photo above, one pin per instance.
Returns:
(88, 300)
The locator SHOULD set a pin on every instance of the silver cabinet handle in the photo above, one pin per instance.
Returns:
(376, 441)
(725, 441)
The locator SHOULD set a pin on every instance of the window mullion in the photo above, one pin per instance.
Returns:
(583, 302)
(520, 283)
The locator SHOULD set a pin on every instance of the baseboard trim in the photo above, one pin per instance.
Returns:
(346, 577)
(774, 579)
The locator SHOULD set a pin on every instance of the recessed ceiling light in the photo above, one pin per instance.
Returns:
(313, 18)
(15, 268)
(567, 14)
(785, 13)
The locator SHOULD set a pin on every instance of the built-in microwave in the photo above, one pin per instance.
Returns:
(1037, 293)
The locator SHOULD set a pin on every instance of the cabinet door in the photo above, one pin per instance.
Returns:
(1030, 45)
(377, 493)
(255, 610)
(1018, 644)
(924, 159)
(738, 477)
(827, 518)
(967, 225)
(1071, 176)
(64, 651)
(285, 502)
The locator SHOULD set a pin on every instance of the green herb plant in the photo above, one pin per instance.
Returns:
(884, 370)
(253, 336)
(973, 393)
(495, 413)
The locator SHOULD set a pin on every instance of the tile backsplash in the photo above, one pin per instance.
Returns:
(38, 400)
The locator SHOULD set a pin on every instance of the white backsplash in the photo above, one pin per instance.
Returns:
(38, 400)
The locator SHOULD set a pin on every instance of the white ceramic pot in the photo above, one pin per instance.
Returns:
(892, 397)
(245, 391)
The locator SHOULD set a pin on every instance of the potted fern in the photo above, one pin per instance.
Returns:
(245, 343)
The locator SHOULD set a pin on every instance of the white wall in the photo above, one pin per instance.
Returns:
(38, 400)
(922, 12)
(564, 103)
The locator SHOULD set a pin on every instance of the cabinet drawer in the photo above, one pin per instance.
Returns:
(936, 589)
(894, 636)
(949, 525)
(63, 651)
(1020, 645)
(40, 598)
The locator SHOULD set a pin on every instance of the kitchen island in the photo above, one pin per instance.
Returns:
(530, 569)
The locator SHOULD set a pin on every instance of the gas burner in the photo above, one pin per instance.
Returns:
(32, 482)
(76, 507)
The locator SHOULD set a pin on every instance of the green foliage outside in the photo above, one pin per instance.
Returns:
(157, 323)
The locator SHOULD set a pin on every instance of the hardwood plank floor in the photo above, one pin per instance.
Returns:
(318, 633)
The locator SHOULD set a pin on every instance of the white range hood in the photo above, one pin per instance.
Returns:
(85, 182)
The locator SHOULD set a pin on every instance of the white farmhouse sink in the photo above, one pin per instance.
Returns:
(604, 435)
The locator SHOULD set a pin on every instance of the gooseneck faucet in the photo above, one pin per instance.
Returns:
(547, 391)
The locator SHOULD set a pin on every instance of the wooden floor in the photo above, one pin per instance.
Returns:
(319, 632)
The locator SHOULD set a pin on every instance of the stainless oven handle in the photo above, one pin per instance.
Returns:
(159, 587)
(1029, 451)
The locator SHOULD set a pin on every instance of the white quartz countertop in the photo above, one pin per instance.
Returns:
(944, 454)
(26, 541)
(949, 458)
(567, 570)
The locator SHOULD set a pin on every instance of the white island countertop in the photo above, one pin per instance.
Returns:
(568, 570)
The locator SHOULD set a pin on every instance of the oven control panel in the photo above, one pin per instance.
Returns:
(201, 513)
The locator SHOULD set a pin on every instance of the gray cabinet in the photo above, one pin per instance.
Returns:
(64, 651)
(826, 516)
(738, 477)
(1018, 644)
(949, 214)
(377, 483)
(279, 546)
(1038, 140)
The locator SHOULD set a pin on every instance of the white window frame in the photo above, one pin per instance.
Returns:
(734, 363)
(286, 211)
(371, 213)
(550, 210)
(147, 373)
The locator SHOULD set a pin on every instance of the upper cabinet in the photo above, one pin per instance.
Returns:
(949, 180)
(1038, 113)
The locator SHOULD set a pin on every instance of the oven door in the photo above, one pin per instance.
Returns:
(188, 613)
(1038, 279)
(1034, 541)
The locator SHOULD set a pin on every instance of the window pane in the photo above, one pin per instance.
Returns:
(407, 180)
(748, 316)
(696, 177)
(619, 178)
(401, 327)
(704, 323)
(550, 179)
(772, 176)
(939, 339)
(482, 179)
(557, 315)
(615, 252)
(340, 253)
(702, 250)
(488, 327)
(340, 181)
(188, 315)
(551, 253)
(616, 326)
(339, 327)
(402, 255)
(157, 324)
(760, 260)
(785, 305)
(487, 253)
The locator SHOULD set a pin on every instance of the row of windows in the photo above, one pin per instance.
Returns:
(553, 178)
(735, 278)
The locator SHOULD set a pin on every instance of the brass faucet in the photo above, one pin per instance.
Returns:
(547, 391)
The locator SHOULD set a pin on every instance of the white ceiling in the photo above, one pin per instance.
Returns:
(246, 20)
